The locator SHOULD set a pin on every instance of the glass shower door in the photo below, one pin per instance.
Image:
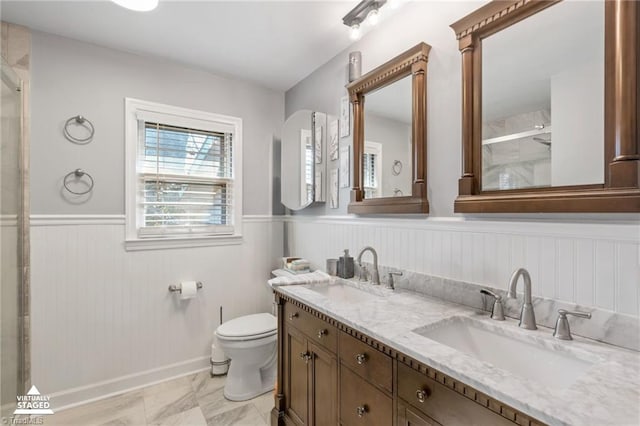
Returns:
(11, 275)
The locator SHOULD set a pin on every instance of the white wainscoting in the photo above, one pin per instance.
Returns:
(593, 264)
(103, 320)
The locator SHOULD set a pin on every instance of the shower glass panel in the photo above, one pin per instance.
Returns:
(11, 274)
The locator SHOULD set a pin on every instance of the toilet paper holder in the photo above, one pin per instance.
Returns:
(178, 288)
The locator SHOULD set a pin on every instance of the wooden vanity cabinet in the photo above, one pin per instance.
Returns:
(330, 374)
(311, 378)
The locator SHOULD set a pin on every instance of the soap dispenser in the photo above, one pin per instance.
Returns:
(346, 265)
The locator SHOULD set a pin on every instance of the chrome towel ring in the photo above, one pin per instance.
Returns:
(78, 174)
(81, 121)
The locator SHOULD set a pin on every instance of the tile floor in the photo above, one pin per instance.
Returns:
(194, 400)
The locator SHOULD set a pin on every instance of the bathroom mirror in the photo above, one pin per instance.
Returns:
(387, 141)
(389, 136)
(303, 162)
(550, 107)
(542, 104)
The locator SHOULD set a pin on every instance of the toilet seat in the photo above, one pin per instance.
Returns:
(249, 327)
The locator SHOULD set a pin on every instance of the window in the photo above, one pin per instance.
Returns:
(183, 176)
(371, 159)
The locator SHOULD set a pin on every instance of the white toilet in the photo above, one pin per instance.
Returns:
(250, 341)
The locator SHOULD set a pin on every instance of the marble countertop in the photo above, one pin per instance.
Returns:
(608, 393)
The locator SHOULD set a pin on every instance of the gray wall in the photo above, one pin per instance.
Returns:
(413, 23)
(395, 137)
(71, 78)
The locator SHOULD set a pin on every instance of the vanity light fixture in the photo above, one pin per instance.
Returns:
(366, 10)
(137, 5)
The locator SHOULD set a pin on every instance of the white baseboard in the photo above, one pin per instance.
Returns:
(82, 395)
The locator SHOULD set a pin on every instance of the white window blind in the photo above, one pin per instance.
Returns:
(370, 183)
(185, 180)
(309, 171)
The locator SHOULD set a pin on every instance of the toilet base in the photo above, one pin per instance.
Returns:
(248, 396)
(247, 382)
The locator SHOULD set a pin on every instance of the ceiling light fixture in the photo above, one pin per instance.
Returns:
(137, 5)
(394, 4)
(366, 10)
(373, 17)
(355, 34)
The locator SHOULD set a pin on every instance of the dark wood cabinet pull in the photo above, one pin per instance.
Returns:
(293, 315)
(322, 333)
(361, 358)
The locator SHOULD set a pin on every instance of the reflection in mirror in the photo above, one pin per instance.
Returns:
(301, 176)
(543, 100)
(387, 135)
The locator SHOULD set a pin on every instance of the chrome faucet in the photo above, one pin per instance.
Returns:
(527, 316)
(375, 276)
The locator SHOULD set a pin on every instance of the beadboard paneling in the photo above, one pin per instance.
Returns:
(592, 264)
(100, 313)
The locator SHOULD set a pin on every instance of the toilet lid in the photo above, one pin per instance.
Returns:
(249, 325)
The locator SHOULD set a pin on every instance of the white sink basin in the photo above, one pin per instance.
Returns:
(343, 293)
(547, 366)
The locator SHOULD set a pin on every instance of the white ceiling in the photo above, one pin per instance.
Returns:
(273, 43)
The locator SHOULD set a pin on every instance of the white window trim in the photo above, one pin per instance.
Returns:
(181, 116)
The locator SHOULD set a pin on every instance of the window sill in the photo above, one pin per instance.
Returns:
(160, 243)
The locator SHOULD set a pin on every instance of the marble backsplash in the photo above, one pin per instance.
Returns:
(604, 326)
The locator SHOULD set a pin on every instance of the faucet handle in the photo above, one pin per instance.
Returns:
(390, 274)
(497, 312)
(491, 293)
(564, 312)
(562, 330)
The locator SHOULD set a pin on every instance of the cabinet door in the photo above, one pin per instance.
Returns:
(324, 387)
(296, 375)
(362, 404)
(408, 416)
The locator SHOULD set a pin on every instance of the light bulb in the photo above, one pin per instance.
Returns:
(137, 5)
(355, 32)
(373, 17)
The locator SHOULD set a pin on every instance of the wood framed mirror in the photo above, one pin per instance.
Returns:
(390, 136)
(550, 107)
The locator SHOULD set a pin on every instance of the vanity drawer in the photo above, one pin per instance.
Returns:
(367, 362)
(318, 331)
(441, 403)
(362, 403)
